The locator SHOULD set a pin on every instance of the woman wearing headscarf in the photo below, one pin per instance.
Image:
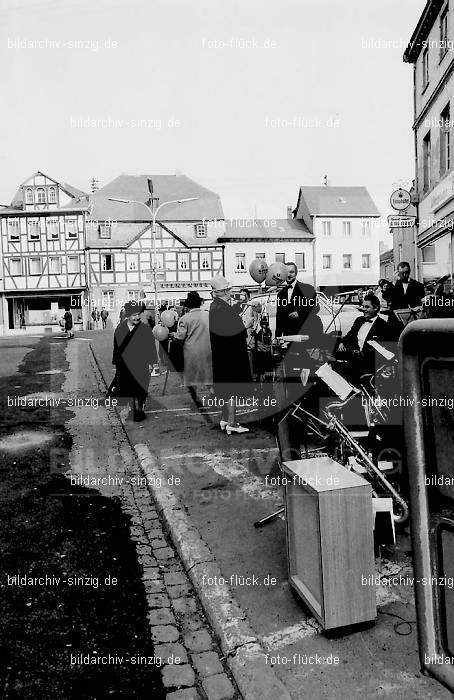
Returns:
(193, 332)
(134, 354)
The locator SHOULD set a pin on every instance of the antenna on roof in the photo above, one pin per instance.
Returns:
(325, 181)
(94, 185)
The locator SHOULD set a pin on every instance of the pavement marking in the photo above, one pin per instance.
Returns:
(291, 635)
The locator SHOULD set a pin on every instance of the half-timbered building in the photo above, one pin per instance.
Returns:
(120, 241)
(42, 242)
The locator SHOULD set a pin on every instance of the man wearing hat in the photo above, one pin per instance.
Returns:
(231, 370)
(134, 354)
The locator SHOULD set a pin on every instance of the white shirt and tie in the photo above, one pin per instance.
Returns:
(364, 331)
(290, 289)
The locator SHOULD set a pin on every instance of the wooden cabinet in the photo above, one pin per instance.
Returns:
(330, 540)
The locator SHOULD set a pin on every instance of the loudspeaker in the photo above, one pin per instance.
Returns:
(427, 357)
(330, 540)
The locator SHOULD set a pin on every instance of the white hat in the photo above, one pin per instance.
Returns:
(219, 283)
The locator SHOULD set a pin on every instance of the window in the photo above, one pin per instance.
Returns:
(445, 140)
(40, 195)
(13, 230)
(327, 262)
(71, 228)
(15, 267)
(300, 261)
(106, 262)
(55, 265)
(428, 254)
(73, 263)
(33, 229)
(108, 299)
(327, 229)
(132, 262)
(425, 68)
(133, 295)
(159, 261)
(366, 228)
(280, 257)
(426, 161)
(443, 33)
(240, 262)
(53, 231)
(183, 261)
(400, 252)
(52, 197)
(29, 196)
(105, 230)
(200, 230)
(347, 261)
(261, 256)
(366, 261)
(35, 266)
(205, 261)
(347, 229)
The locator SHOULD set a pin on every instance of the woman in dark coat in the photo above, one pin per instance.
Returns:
(134, 354)
(231, 370)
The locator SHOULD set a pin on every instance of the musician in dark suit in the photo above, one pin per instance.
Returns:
(296, 306)
(407, 292)
(370, 326)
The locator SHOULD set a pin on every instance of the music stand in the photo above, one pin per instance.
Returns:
(406, 315)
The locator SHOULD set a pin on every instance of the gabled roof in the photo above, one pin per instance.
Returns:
(261, 229)
(78, 195)
(335, 201)
(166, 187)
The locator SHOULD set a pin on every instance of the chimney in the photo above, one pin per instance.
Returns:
(289, 212)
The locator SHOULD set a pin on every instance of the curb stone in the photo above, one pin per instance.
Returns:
(244, 655)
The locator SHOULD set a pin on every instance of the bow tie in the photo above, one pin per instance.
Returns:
(368, 320)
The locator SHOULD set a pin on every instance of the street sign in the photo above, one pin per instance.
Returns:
(401, 221)
(400, 199)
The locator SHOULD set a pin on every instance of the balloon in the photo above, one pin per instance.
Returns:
(168, 318)
(277, 274)
(161, 333)
(258, 269)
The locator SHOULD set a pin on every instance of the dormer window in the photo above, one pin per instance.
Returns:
(40, 196)
(52, 195)
(29, 196)
(200, 230)
(105, 230)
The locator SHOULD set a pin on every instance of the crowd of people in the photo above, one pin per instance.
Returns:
(228, 348)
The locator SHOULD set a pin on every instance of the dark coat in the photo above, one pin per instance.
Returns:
(413, 297)
(133, 352)
(231, 368)
(68, 320)
(304, 302)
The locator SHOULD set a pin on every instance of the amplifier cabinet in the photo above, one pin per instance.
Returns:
(330, 540)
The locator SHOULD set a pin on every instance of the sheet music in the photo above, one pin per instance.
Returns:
(335, 381)
(387, 354)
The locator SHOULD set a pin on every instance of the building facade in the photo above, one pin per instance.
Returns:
(120, 249)
(274, 240)
(42, 246)
(343, 221)
(431, 54)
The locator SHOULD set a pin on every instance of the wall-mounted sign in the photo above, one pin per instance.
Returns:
(401, 221)
(400, 199)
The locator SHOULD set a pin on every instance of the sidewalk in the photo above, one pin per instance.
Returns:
(221, 484)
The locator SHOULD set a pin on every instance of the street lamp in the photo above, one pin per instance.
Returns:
(153, 214)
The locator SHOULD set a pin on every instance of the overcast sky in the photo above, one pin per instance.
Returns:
(307, 97)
